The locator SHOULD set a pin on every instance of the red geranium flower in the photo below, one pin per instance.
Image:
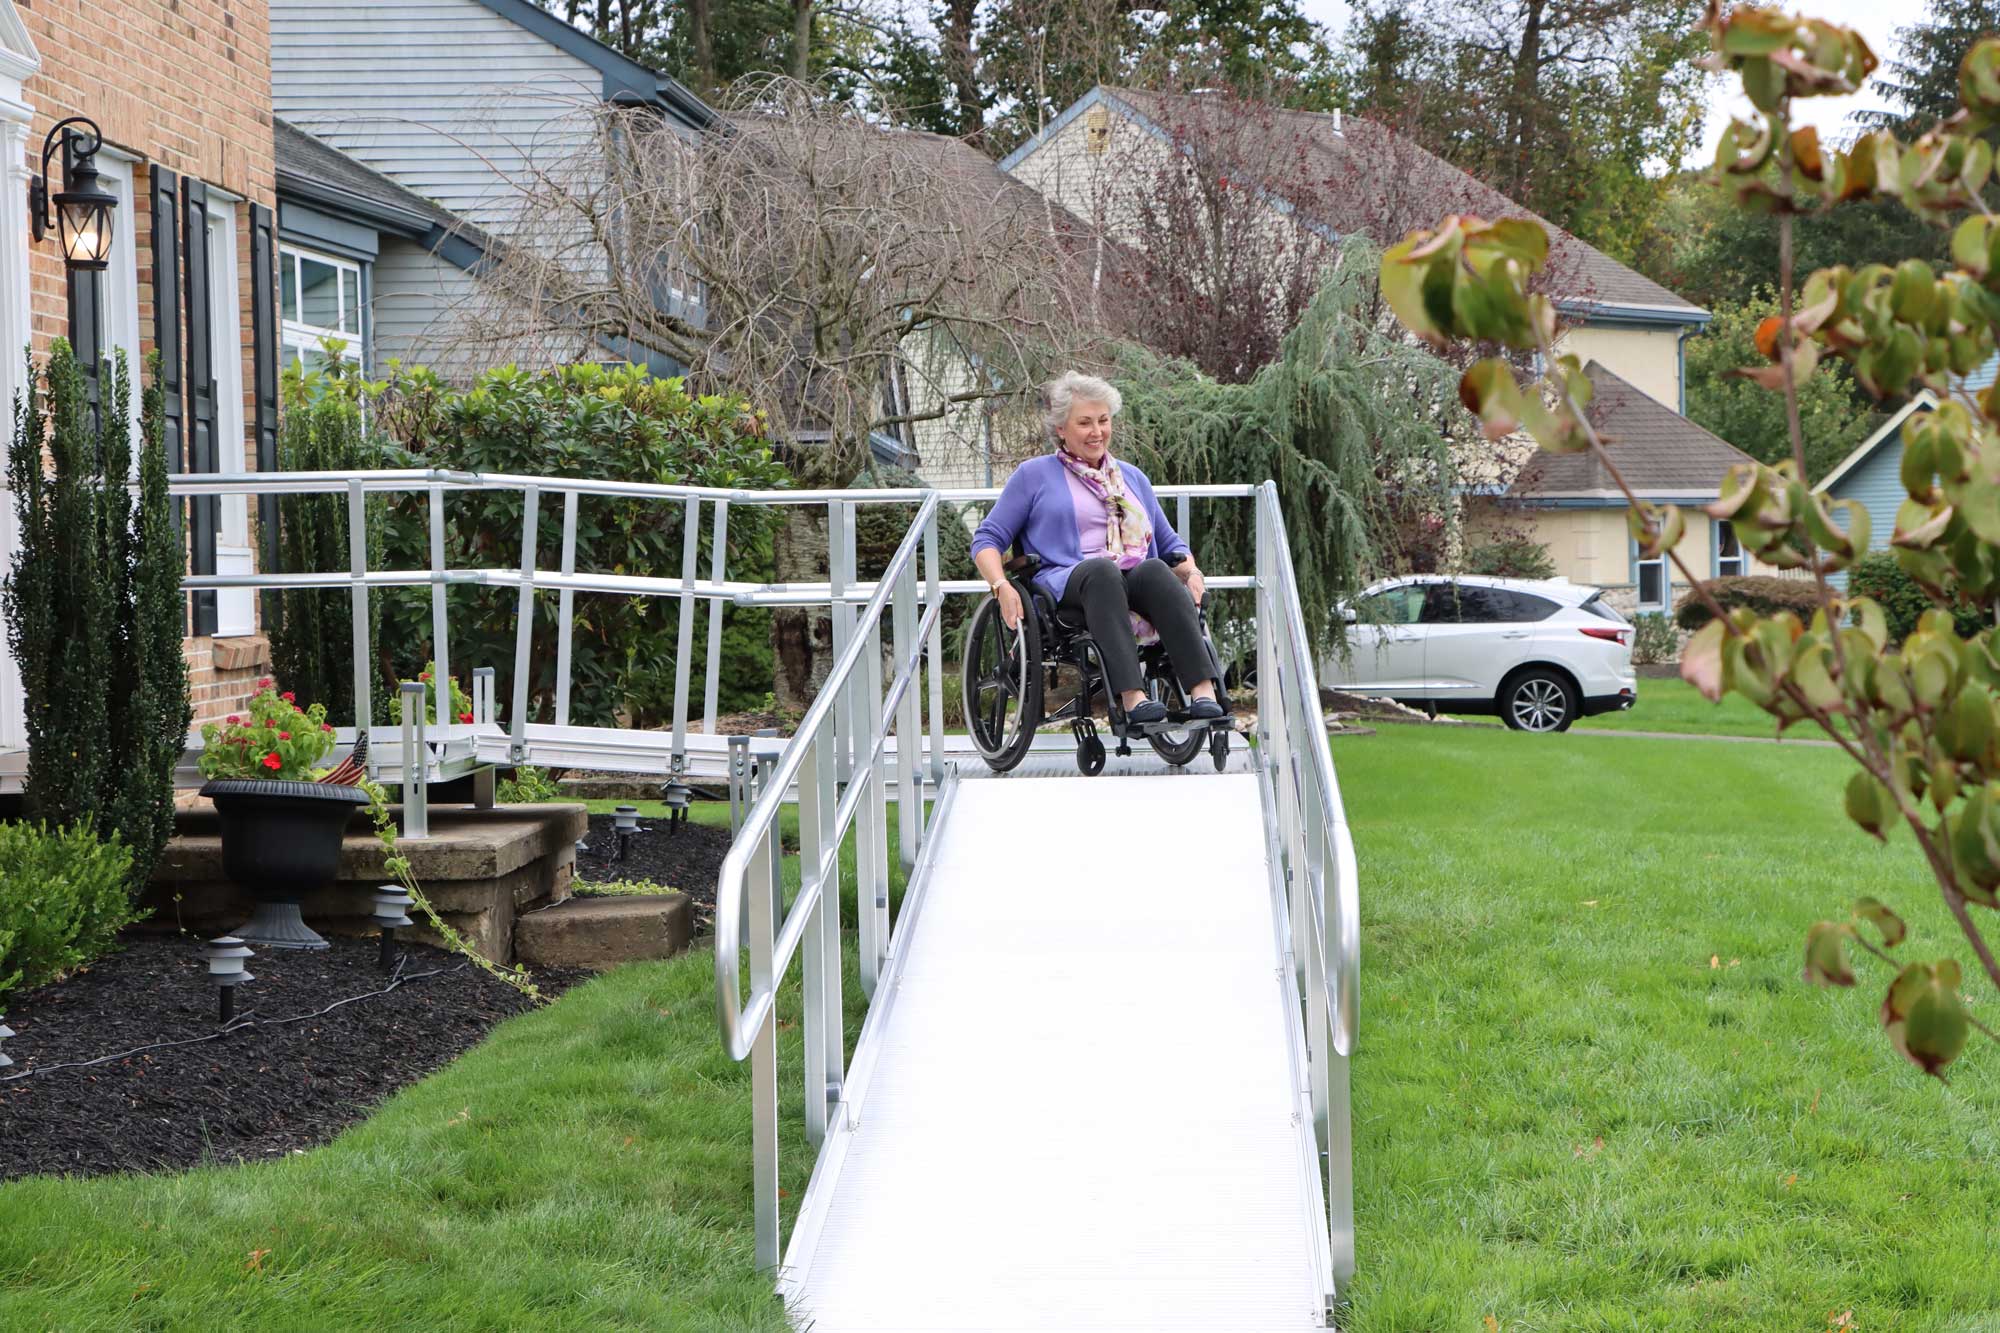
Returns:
(465, 717)
(270, 721)
(273, 762)
(423, 675)
(326, 726)
(284, 735)
(234, 719)
(264, 683)
(289, 697)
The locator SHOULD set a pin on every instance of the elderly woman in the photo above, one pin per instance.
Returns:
(1106, 548)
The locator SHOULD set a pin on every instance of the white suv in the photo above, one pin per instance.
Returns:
(1540, 653)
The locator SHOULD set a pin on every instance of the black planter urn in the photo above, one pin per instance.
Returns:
(281, 840)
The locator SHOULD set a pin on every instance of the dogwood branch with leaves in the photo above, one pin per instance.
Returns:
(1920, 718)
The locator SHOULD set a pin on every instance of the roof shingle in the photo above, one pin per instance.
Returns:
(1368, 166)
(1659, 452)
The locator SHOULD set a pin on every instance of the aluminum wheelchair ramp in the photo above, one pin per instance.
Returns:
(1080, 1107)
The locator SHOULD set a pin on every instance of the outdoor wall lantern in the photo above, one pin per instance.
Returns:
(226, 971)
(82, 208)
(392, 913)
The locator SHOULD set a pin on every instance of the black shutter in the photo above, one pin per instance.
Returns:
(167, 320)
(204, 511)
(86, 310)
(264, 338)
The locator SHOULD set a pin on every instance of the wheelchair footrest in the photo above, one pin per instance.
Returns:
(1189, 724)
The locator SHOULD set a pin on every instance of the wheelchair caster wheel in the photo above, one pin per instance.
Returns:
(1218, 747)
(1090, 756)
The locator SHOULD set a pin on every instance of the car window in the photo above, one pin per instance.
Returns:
(1597, 606)
(1441, 604)
(1392, 606)
(1527, 606)
(1475, 604)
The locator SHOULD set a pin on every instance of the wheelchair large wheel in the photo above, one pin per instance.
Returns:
(1178, 748)
(1001, 680)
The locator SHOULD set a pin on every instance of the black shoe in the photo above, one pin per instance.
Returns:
(1146, 711)
(1206, 710)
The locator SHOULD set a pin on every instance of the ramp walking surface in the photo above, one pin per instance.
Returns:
(1080, 1110)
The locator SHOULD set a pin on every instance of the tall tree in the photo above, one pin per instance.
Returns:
(1922, 80)
(1563, 105)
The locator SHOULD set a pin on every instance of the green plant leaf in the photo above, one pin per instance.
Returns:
(1826, 954)
(1870, 805)
(1925, 1016)
(1701, 660)
(1872, 909)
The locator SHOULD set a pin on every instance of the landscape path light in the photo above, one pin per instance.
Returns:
(81, 210)
(678, 795)
(625, 820)
(227, 957)
(392, 913)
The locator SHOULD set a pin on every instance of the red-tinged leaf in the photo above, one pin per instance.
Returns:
(1826, 954)
(1894, 932)
(1701, 661)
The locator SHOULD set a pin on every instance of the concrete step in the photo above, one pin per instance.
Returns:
(604, 932)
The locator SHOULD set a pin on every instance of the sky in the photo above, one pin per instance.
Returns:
(1876, 20)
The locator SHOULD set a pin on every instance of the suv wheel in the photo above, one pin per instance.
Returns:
(1539, 701)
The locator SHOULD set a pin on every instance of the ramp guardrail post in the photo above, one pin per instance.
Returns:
(909, 723)
(934, 649)
(482, 694)
(718, 559)
(566, 609)
(524, 625)
(684, 651)
(357, 555)
(440, 623)
(416, 761)
(840, 563)
(871, 843)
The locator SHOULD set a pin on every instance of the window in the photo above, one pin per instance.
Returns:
(1392, 606)
(1728, 550)
(235, 608)
(1441, 604)
(1525, 606)
(319, 297)
(1651, 576)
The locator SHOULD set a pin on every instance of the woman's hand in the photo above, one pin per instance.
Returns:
(1191, 576)
(1010, 605)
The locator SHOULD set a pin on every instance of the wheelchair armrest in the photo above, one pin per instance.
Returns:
(1026, 565)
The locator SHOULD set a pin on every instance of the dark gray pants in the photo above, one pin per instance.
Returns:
(1101, 597)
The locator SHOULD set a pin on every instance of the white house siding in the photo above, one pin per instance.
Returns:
(445, 97)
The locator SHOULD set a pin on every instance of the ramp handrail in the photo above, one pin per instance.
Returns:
(750, 880)
(1318, 855)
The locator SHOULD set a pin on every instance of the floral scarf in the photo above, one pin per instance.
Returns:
(1128, 533)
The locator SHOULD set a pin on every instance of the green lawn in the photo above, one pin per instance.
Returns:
(1592, 1094)
(1674, 705)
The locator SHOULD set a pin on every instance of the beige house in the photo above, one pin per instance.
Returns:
(1626, 327)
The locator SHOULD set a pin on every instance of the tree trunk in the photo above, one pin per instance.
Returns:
(802, 31)
(958, 54)
(1527, 81)
(801, 638)
(704, 47)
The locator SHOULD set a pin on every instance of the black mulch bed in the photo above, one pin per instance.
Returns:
(688, 859)
(257, 1093)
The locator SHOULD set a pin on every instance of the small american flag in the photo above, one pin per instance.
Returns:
(349, 771)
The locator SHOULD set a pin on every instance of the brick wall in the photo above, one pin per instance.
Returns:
(185, 84)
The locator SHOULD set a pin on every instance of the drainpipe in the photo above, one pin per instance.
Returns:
(1681, 361)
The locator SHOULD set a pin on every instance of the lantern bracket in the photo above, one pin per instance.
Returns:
(38, 188)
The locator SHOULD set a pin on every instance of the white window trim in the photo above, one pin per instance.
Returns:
(235, 608)
(18, 61)
(295, 336)
(1639, 565)
(1741, 559)
(119, 311)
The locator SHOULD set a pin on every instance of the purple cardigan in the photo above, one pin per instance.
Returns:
(1035, 510)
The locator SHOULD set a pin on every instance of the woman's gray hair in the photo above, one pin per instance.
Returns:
(1064, 391)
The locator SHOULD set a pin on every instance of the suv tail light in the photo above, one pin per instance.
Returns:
(1607, 633)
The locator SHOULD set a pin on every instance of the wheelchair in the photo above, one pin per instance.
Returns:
(1006, 673)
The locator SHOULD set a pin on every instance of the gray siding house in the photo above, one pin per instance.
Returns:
(1872, 475)
(404, 128)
